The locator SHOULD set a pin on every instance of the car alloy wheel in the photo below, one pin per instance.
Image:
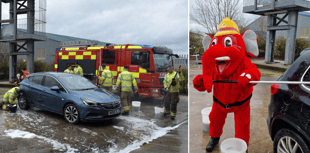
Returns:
(288, 145)
(22, 102)
(288, 141)
(71, 114)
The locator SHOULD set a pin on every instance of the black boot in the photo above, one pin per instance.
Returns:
(1, 104)
(212, 143)
(172, 117)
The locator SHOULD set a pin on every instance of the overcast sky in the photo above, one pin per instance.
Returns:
(160, 22)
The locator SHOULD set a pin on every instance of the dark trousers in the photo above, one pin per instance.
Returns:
(171, 102)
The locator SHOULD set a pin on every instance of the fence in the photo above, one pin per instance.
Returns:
(162, 60)
(182, 60)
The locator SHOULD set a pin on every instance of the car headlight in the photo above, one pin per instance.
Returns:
(89, 103)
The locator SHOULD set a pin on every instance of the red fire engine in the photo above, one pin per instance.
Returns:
(147, 63)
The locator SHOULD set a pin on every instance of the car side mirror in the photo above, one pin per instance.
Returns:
(55, 88)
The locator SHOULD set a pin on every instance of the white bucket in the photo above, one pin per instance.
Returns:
(136, 106)
(113, 87)
(233, 145)
(205, 118)
(159, 112)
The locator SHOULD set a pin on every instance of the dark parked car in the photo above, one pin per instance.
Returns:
(289, 109)
(73, 96)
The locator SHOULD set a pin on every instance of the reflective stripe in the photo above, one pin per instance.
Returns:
(166, 81)
(108, 83)
(173, 89)
(173, 114)
(11, 97)
(126, 87)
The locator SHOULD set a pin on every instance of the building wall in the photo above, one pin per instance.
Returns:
(43, 51)
(49, 47)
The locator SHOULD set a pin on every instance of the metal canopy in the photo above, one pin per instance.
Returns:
(280, 5)
(9, 33)
(272, 8)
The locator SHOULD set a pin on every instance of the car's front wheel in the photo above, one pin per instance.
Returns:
(287, 141)
(71, 114)
(23, 103)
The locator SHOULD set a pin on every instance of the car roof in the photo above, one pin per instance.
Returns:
(56, 74)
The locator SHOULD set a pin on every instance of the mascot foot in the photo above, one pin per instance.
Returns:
(212, 143)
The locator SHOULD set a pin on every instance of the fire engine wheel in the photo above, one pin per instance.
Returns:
(71, 114)
(23, 103)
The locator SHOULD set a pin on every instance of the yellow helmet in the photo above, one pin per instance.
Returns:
(226, 27)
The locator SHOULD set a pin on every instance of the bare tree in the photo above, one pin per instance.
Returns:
(210, 13)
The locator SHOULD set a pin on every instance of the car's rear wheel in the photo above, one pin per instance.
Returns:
(71, 114)
(23, 103)
(287, 141)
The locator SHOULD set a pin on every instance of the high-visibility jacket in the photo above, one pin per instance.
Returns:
(10, 96)
(69, 71)
(25, 73)
(99, 70)
(126, 80)
(106, 78)
(168, 79)
(78, 70)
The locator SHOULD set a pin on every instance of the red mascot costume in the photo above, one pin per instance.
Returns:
(225, 58)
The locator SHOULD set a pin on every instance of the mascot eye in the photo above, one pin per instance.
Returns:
(214, 42)
(228, 42)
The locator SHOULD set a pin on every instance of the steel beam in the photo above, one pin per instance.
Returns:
(30, 30)
(291, 38)
(270, 40)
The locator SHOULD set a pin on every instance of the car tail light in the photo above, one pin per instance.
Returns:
(274, 89)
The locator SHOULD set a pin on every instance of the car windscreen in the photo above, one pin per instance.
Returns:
(76, 82)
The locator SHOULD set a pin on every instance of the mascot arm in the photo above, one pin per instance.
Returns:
(198, 83)
(250, 73)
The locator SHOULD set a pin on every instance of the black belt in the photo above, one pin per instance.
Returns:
(233, 104)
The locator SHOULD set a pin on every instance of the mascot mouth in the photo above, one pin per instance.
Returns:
(222, 63)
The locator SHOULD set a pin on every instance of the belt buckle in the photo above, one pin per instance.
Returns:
(227, 106)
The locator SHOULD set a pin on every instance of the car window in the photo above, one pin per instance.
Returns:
(30, 79)
(76, 82)
(50, 82)
(37, 79)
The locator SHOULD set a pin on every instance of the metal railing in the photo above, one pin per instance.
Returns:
(182, 60)
(261, 3)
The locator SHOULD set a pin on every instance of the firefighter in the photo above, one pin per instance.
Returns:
(25, 73)
(126, 80)
(106, 78)
(69, 69)
(8, 102)
(100, 69)
(78, 69)
(172, 86)
(17, 80)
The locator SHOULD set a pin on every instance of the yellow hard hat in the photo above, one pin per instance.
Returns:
(226, 27)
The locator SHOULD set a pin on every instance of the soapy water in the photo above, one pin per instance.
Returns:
(125, 134)
(27, 135)
(140, 124)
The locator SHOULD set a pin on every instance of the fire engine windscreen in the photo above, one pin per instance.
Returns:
(76, 82)
(162, 61)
